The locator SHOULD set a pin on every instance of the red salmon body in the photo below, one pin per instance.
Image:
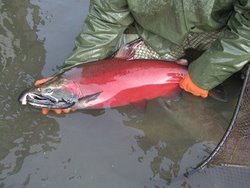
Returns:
(121, 82)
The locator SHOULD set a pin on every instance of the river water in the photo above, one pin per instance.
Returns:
(97, 148)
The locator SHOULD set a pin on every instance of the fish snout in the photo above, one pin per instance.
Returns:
(23, 97)
(28, 97)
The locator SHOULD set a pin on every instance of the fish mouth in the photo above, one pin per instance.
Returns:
(40, 101)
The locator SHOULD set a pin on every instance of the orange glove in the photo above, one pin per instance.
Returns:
(41, 81)
(45, 111)
(187, 84)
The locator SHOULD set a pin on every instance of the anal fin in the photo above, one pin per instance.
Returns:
(140, 105)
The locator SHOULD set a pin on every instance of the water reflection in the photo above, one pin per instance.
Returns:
(23, 132)
(179, 134)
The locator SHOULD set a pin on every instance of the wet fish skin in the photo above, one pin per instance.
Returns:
(107, 83)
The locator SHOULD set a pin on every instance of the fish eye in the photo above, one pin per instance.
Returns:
(48, 90)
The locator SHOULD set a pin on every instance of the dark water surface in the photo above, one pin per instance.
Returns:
(106, 148)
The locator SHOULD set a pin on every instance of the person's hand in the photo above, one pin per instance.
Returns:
(41, 81)
(187, 84)
(45, 111)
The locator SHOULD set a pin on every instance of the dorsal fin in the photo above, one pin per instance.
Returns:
(127, 51)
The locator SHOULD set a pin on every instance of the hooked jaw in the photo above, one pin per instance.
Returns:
(40, 101)
(23, 99)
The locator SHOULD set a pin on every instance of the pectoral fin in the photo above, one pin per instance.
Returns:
(83, 102)
(91, 97)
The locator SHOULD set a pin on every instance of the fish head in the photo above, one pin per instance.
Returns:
(53, 94)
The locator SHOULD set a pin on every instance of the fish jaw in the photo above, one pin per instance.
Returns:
(39, 101)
